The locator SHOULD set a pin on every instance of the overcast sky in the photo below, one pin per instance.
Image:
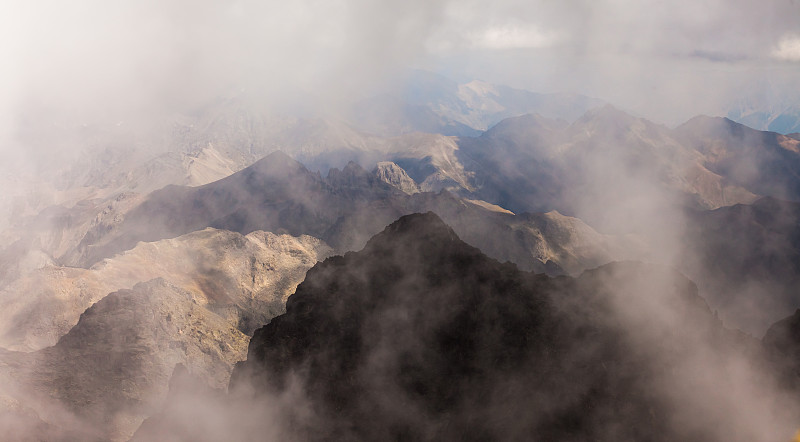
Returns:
(95, 59)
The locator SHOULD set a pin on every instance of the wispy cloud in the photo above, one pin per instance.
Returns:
(721, 57)
(514, 37)
(788, 49)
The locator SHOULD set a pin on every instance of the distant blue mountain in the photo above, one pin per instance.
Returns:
(428, 102)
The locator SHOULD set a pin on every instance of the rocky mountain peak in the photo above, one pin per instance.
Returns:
(706, 126)
(609, 120)
(395, 176)
(351, 175)
(784, 336)
(275, 162)
(425, 229)
(528, 124)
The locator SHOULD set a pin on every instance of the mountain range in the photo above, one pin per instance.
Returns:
(530, 282)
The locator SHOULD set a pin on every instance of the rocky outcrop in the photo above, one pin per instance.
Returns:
(112, 369)
(394, 175)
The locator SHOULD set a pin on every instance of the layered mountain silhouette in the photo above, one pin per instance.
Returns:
(593, 167)
(344, 209)
(622, 174)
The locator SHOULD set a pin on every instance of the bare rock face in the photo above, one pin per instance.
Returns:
(243, 278)
(394, 175)
(194, 300)
(112, 369)
(567, 242)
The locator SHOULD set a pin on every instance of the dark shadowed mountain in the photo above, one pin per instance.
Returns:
(784, 337)
(420, 336)
(782, 342)
(746, 259)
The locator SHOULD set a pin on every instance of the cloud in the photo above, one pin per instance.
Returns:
(512, 37)
(721, 57)
(667, 61)
(788, 49)
(92, 60)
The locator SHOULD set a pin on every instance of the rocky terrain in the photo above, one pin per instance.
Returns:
(113, 368)
(197, 307)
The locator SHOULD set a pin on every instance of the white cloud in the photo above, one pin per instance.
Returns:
(788, 49)
(514, 37)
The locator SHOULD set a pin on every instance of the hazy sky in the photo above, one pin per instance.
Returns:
(667, 60)
(96, 59)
